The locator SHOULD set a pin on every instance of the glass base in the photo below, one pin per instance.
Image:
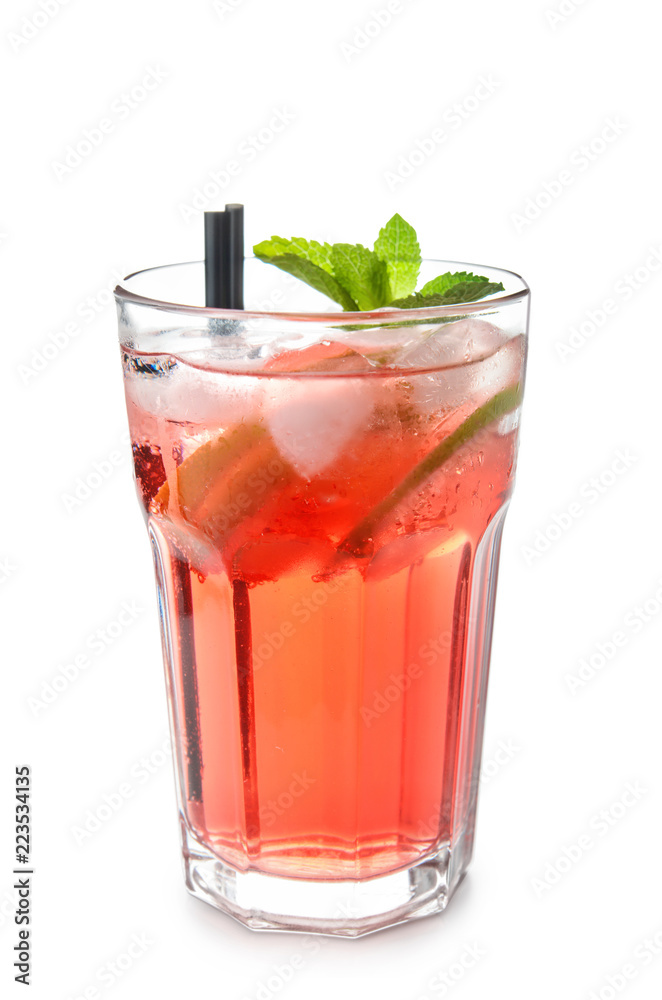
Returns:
(339, 908)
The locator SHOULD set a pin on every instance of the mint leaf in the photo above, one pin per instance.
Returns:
(445, 281)
(308, 260)
(471, 291)
(398, 247)
(316, 253)
(463, 291)
(362, 273)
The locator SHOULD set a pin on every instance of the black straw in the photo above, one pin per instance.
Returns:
(224, 289)
(192, 740)
(224, 258)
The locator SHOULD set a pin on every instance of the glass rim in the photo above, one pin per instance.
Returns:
(372, 317)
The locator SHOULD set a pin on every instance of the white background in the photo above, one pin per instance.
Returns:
(66, 572)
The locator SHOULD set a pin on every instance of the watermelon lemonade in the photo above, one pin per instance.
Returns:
(325, 519)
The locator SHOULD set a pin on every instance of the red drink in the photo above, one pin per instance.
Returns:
(319, 650)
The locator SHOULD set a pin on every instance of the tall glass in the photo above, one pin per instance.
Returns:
(325, 494)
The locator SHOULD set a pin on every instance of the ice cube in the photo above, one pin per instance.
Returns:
(476, 362)
(385, 345)
(187, 394)
(311, 420)
(146, 380)
(453, 344)
(325, 355)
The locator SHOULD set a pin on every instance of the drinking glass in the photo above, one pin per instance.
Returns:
(325, 494)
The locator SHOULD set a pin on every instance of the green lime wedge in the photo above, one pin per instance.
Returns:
(503, 402)
(224, 481)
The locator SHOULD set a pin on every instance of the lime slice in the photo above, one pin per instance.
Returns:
(503, 402)
(224, 481)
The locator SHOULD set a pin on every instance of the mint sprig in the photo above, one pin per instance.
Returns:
(308, 260)
(359, 279)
